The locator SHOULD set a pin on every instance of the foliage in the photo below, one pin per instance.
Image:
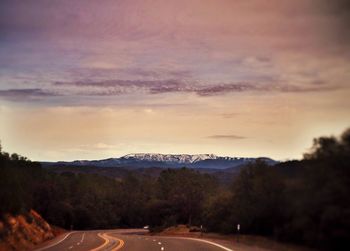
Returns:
(304, 201)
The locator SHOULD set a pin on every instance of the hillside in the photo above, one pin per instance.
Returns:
(23, 231)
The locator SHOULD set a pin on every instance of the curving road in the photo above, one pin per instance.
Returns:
(131, 239)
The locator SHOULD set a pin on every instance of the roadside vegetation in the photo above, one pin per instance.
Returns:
(305, 202)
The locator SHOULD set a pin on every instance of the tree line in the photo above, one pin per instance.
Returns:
(304, 201)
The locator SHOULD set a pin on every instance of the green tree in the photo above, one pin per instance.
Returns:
(185, 190)
(258, 199)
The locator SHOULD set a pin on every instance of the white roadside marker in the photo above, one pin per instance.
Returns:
(82, 238)
(162, 248)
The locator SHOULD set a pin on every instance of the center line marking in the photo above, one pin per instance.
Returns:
(109, 239)
(106, 241)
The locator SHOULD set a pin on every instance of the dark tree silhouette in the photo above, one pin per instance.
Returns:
(305, 201)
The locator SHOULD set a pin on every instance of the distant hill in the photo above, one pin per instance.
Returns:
(148, 160)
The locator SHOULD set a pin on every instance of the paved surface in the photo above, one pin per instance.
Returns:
(130, 239)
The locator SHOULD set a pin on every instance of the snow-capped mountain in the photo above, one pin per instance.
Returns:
(145, 160)
(180, 158)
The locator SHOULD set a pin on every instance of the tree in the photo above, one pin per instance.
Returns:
(258, 199)
(185, 191)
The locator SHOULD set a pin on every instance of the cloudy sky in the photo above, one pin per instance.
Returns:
(97, 79)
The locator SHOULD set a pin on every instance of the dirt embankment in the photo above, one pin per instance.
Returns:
(24, 231)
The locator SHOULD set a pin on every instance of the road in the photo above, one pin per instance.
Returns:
(131, 239)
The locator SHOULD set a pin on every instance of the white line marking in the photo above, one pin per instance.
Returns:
(54, 244)
(70, 247)
(162, 248)
(159, 243)
(205, 241)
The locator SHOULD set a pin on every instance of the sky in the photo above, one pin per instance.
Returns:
(97, 79)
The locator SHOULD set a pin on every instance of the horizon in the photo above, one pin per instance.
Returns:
(85, 80)
(172, 154)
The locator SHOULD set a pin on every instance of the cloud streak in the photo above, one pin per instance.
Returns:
(26, 94)
(226, 137)
(119, 87)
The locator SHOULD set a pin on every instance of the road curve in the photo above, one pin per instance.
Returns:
(131, 239)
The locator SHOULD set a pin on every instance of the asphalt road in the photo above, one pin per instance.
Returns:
(131, 239)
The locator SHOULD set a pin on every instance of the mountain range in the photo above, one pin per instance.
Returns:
(147, 160)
